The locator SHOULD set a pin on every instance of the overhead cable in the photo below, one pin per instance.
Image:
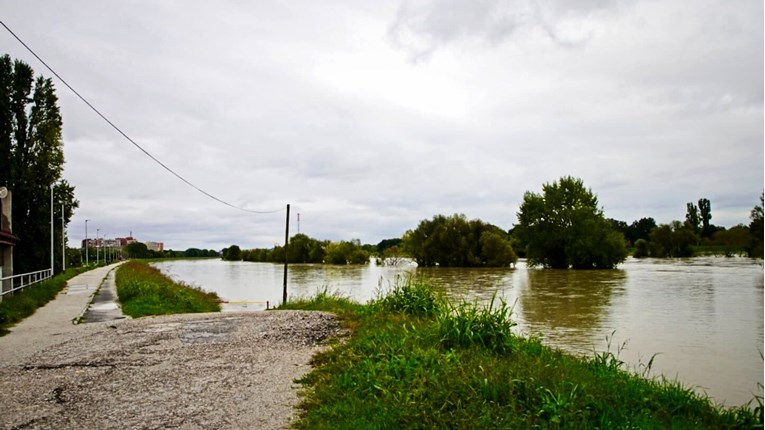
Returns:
(84, 100)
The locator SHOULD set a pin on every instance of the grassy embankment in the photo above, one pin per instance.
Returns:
(415, 361)
(20, 305)
(143, 290)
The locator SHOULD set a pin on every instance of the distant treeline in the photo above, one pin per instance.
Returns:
(562, 227)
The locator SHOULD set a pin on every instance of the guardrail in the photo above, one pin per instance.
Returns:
(19, 282)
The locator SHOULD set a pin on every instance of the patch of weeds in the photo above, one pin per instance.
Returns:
(469, 324)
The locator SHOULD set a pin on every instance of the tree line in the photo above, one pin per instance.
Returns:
(561, 227)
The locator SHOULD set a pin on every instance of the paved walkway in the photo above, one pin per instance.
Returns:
(54, 323)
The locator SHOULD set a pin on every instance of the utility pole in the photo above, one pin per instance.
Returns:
(298, 219)
(286, 243)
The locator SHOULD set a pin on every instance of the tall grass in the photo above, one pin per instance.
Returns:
(143, 290)
(20, 305)
(427, 363)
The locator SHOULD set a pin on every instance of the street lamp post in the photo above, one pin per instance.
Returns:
(87, 243)
(98, 248)
(51, 230)
(63, 240)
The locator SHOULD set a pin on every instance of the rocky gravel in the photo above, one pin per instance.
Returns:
(211, 371)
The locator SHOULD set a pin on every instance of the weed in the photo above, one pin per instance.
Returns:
(411, 296)
(469, 324)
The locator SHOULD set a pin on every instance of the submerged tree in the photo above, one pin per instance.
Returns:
(31, 162)
(454, 241)
(563, 227)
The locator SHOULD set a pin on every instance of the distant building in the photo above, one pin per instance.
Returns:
(155, 246)
(7, 238)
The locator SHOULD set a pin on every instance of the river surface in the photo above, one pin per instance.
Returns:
(702, 317)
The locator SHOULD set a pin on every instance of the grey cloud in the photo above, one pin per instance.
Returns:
(421, 27)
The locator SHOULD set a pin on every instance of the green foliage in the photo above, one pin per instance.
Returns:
(733, 241)
(692, 218)
(412, 297)
(232, 253)
(641, 249)
(456, 242)
(672, 241)
(196, 252)
(31, 159)
(705, 215)
(461, 367)
(468, 324)
(143, 290)
(563, 227)
(20, 305)
(344, 252)
(137, 250)
(304, 249)
(388, 243)
(640, 229)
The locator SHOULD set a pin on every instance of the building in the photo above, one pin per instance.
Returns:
(7, 239)
(155, 246)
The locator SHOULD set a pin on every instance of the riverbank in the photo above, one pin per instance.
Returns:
(143, 290)
(414, 361)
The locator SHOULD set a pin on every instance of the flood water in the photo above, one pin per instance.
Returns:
(703, 317)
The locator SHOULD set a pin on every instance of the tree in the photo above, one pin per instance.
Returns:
(640, 229)
(692, 218)
(672, 241)
(756, 230)
(232, 253)
(705, 213)
(563, 227)
(387, 243)
(31, 160)
(137, 250)
(734, 240)
(456, 242)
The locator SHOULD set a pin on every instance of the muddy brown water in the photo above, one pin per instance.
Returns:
(701, 317)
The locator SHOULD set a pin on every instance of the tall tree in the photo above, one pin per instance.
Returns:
(563, 227)
(692, 218)
(31, 161)
(705, 212)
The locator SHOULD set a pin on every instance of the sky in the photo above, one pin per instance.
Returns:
(370, 116)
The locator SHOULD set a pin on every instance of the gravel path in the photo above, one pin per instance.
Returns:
(194, 371)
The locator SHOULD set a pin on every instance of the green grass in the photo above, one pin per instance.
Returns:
(143, 290)
(431, 364)
(20, 305)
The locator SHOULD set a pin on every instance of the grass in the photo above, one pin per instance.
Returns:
(20, 305)
(143, 290)
(416, 361)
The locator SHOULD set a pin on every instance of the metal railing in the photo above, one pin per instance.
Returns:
(19, 282)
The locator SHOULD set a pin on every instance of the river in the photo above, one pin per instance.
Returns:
(702, 317)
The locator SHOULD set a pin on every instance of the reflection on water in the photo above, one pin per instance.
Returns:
(568, 307)
(703, 316)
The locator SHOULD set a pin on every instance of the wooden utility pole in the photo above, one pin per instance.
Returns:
(286, 243)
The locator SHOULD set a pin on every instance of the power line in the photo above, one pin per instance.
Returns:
(84, 100)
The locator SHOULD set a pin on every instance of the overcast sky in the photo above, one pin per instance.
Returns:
(369, 116)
